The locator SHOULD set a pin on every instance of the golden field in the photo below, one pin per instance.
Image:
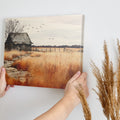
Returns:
(9, 55)
(45, 69)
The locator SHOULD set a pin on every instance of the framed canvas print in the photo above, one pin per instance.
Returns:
(43, 51)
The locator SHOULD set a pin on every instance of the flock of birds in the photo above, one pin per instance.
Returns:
(35, 28)
(39, 29)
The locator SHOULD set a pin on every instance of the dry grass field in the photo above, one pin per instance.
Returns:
(9, 55)
(42, 69)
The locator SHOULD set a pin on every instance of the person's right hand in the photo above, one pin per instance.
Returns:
(71, 93)
(3, 84)
(64, 107)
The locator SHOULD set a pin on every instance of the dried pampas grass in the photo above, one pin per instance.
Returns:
(108, 84)
(86, 110)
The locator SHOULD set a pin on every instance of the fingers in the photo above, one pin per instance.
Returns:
(82, 78)
(7, 88)
(2, 73)
(75, 76)
(1, 95)
(3, 85)
(2, 82)
(83, 81)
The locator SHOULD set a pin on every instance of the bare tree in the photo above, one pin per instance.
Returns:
(13, 25)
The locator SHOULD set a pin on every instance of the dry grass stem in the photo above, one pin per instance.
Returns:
(86, 109)
(108, 85)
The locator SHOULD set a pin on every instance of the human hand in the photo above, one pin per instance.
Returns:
(71, 93)
(3, 84)
(64, 107)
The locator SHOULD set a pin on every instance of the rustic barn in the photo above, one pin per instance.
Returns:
(18, 41)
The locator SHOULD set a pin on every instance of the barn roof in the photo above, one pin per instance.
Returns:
(19, 38)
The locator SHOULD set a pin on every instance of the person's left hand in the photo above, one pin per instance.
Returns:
(3, 84)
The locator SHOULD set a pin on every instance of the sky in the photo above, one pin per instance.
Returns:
(54, 30)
